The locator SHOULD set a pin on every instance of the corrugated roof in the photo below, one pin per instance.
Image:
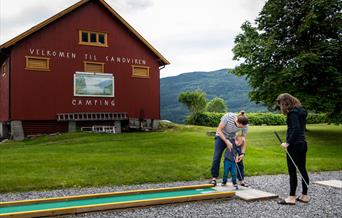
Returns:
(72, 8)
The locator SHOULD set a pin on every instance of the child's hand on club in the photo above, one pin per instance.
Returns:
(239, 158)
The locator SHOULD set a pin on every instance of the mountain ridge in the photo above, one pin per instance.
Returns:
(219, 83)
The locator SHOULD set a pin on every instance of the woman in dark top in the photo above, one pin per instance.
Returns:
(296, 145)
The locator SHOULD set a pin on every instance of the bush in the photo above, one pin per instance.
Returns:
(205, 119)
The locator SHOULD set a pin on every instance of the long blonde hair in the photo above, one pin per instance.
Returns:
(287, 102)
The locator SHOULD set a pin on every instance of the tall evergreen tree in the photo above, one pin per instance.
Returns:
(295, 47)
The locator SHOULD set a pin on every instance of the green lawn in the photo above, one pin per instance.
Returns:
(175, 154)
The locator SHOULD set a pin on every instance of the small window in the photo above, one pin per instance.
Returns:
(95, 67)
(85, 37)
(37, 63)
(102, 38)
(93, 38)
(140, 71)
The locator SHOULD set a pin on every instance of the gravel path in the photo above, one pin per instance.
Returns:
(326, 201)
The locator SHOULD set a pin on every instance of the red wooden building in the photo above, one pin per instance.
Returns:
(85, 66)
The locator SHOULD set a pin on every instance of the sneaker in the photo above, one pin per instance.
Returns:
(243, 183)
(213, 182)
(236, 186)
(223, 183)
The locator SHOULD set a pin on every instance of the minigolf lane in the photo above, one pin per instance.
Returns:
(78, 204)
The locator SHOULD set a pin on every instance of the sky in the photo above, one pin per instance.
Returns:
(193, 35)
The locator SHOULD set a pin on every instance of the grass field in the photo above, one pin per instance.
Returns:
(176, 154)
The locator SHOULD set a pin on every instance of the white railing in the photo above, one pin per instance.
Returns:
(91, 116)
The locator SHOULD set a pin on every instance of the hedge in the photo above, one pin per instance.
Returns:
(317, 118)
(213, 119)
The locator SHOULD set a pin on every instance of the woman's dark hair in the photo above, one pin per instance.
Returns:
(242, 119)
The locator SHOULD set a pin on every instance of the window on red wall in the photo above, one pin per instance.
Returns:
(140, 71)
(96, 67)
(37, 63)
(93, 38)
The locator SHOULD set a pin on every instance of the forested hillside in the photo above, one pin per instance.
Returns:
(234, 90)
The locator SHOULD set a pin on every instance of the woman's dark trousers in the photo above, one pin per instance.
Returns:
(220, 146)
(298, 154)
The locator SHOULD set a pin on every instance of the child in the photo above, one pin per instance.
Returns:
(240, 166)
(230, 158)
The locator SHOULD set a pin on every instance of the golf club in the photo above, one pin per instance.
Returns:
(237, 167)
(292, 160)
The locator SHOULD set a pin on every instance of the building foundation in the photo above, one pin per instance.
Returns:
(17, 130)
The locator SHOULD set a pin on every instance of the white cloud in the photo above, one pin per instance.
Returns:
(18, 16)
(191, 34)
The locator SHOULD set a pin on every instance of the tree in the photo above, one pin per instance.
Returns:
(195, 101)
(295, 47)
(216, 105)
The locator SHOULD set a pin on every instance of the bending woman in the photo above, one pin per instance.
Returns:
(225, 134)
(295, 144)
